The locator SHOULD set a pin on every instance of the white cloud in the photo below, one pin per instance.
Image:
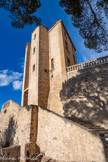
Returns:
(16, 75)
(4, 71)
(17, 85)
(21, 62)
(10, 77)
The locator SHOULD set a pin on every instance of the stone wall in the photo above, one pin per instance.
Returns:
(69, 49)
(19, 125)
(22, 135)
(64, 140)
(55, 48)
(8, 118)
(38, 89)
(43, 67)
(85, 95)
(60, 50)
(81, 96)
(33, 73)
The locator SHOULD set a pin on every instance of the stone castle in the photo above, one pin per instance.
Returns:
(64, 112)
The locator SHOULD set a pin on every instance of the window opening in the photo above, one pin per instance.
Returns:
(68, 61)
(52, 63)
(33, 67)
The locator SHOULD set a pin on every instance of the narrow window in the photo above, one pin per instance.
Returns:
(34, 36)
(34, 50)
(52, 63)
(68, 62)
(34, 67)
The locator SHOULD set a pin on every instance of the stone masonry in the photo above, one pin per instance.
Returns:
(64, 104)
(18, 125)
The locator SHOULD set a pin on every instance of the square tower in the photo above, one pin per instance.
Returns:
(36, 69)
(47, 57)
(61, 55)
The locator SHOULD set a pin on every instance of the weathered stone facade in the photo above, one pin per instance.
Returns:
(64, 104)
(65, 140)
(36, 71)
(61, 50)
(18, 125)
(86, 95)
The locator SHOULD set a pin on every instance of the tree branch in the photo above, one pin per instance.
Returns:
(95, 17)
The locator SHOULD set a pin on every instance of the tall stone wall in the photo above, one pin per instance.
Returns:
(39, 68)
(8, 126)
(33, 68)
(64, 140)
(19, 126)
(43, 67)
(56, 52)
(84, 95)
(61, 50)
(22, 135)
(69, 49)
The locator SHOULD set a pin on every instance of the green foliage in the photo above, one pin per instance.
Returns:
(21, 11)
(88, 17)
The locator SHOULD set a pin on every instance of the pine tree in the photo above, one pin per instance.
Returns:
(21, 11)
(87, 16)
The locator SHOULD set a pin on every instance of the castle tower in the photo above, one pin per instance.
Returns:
(36, 69)
(61, 55)
(47, 57)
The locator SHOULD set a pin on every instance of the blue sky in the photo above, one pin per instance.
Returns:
(12, 47)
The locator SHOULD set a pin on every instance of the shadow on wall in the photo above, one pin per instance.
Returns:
(8, 135)
(85, 96)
